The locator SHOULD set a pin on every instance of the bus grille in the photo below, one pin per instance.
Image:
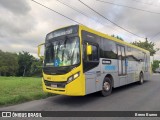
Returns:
(58, 84)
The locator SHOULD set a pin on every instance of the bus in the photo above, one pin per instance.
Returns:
(78, 61)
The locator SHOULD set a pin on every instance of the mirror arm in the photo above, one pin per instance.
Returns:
(39, 49)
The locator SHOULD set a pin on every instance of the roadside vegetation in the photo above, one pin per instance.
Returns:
(15, 90)
(19, 64)
(155, 66)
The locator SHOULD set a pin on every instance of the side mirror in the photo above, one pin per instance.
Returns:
(39, 51)
(89, 49)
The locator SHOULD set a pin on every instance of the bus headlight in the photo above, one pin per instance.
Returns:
(73, 77)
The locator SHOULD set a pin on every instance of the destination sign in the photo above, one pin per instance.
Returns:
(61, 32)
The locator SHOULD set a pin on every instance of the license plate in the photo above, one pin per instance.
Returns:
(53, 85)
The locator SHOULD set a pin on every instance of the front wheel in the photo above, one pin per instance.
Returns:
(141, 79)
(106, 87)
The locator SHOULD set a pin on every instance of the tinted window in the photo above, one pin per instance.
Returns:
(109, 49)
(134, 54)
(141, 56)
(129, 54)
(93, 56)
(90, 61)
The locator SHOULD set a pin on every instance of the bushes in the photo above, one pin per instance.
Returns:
(21, 64)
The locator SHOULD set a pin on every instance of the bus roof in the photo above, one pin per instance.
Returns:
(82, 27)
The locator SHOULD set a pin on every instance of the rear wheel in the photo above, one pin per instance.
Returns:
(141, 79)
(106, 87)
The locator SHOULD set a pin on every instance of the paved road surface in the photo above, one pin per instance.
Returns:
(132, 97)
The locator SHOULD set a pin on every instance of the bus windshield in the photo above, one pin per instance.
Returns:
(63, 52)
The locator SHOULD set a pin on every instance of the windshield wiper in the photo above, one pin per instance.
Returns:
(66, 39)
(73, 53)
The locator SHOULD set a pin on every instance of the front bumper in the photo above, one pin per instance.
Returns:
(74, 88)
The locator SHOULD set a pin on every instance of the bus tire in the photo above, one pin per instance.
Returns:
(141, 78)
(106, 87)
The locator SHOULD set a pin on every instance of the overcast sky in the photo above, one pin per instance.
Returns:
(24, 24)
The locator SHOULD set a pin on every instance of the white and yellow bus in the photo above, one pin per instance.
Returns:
(79, 61)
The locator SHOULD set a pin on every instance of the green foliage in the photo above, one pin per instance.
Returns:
(8, 63)
(118, 37)
(25, 61)
(147, 46)
(155, 65)
(22, 64)
(36, 67)
(20, 89)
(28, 65)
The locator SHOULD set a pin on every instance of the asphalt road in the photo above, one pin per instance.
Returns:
(131, 97)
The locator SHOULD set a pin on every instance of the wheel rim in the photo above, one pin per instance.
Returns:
(106, 86)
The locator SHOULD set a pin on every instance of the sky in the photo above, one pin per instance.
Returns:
(24, 24)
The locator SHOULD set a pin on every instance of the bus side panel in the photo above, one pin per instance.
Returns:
(95, 77)
(131, 68)
(91, 77)
(110, 69)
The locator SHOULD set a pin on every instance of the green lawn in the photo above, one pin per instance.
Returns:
(15, 90)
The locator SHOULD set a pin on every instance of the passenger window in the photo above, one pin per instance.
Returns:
(109, 49)
(94, 56)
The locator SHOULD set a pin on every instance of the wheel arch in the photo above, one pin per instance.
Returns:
(111, 78)
(141, 72)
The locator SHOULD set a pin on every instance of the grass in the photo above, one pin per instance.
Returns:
(14, 90)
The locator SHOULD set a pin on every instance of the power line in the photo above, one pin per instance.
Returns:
(61, 14)
(109, 20)
(155, 35)
(76, 10)
(57, 12)
(73, 8)
(127, 7)
(151, 4)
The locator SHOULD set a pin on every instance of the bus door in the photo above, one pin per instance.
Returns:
(122, 65)
(91, 68)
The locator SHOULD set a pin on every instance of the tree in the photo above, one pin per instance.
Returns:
(22, 64)
(36, 67)
(8, 63)
(155, 65)
(117, 37)
(147, 46)
(25, 61)
(11, 60)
